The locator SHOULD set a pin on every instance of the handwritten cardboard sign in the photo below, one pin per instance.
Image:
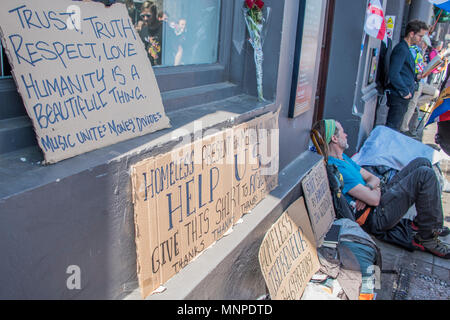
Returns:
(83, 74)
(187, 199)
(288, 256)
(318, 200)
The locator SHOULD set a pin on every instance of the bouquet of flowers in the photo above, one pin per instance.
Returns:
(254, 19)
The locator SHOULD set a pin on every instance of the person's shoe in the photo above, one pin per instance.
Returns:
(414, 227)
(443, 232)
(432, 245)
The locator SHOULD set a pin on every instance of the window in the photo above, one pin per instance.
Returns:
(177, 32)
(195, 48)
(5, 69)
(203, 26)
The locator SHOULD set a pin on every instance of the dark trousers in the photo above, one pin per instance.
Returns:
(397, 109)
(444, 136)
(417, 184)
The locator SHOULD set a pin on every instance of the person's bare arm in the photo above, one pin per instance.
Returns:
(369, 194)
(366, 195)
(371, 180)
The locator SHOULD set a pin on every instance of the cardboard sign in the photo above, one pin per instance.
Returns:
(187, 199)
(319, 201)
(83, 74)
(288, 255)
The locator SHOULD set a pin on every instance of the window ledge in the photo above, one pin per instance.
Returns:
(22, 170)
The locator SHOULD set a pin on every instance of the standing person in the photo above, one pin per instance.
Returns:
(437, 47)
(415, 184)
(424, 93)
(402, 75)
(176, 41)
(151, 34)
(442, 137)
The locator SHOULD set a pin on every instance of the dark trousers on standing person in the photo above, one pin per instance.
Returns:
(397, 109)
(417, 184)
(443, 136)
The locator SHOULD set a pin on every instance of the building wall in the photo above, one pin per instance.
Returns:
(294, 132)
(396, 8)
(343, 67)
(78, 212)
(421, 10)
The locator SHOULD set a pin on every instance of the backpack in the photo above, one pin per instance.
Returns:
(341, 206)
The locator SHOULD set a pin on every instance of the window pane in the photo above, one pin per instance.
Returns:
(5, 68)
(178, 32)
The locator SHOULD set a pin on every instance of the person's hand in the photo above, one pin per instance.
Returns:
(139, 25)
(409, 96)
(360, 205)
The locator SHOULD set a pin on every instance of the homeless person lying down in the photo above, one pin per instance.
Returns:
(415, 184)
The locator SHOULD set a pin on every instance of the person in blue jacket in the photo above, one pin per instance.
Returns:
(402, 76)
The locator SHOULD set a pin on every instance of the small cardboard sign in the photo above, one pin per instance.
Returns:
(187, 199)
(288, 255)
(83, 74)
(319, 201)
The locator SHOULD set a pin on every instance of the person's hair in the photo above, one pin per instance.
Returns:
(415, 26)
(147, 4)
(318, 137)
(154, 15)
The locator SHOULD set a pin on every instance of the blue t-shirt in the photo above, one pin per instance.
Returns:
(351, 173)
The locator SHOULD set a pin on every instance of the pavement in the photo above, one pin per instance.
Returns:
(417, 275)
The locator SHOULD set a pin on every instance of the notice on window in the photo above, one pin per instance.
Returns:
(82, 72)
(288, 255)
(319, 201)
(187, 199)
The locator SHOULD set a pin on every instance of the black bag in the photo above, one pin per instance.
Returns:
(336, 181)
(401, 235)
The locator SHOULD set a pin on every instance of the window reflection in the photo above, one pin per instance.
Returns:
(177, 32)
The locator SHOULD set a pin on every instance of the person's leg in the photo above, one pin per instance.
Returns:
(410, 111)
(419, 186)
(414, 122)
(397, 108)
(443, 136)
(410, 167)
(429, 93)
(415, 184)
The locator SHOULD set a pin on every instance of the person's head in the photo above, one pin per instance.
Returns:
(329, 135)
(129, 3)
(426, 42)
(146, 15)
(415, 31)
(153, 14)
(162, 16)
(182, 24)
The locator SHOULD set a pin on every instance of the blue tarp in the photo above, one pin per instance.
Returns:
(387, 147)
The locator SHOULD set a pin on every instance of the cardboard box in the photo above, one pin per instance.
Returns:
(288, 255)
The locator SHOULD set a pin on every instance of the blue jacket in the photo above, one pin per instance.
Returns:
(402, 78)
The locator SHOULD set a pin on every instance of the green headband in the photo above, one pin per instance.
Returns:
(330, 129)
